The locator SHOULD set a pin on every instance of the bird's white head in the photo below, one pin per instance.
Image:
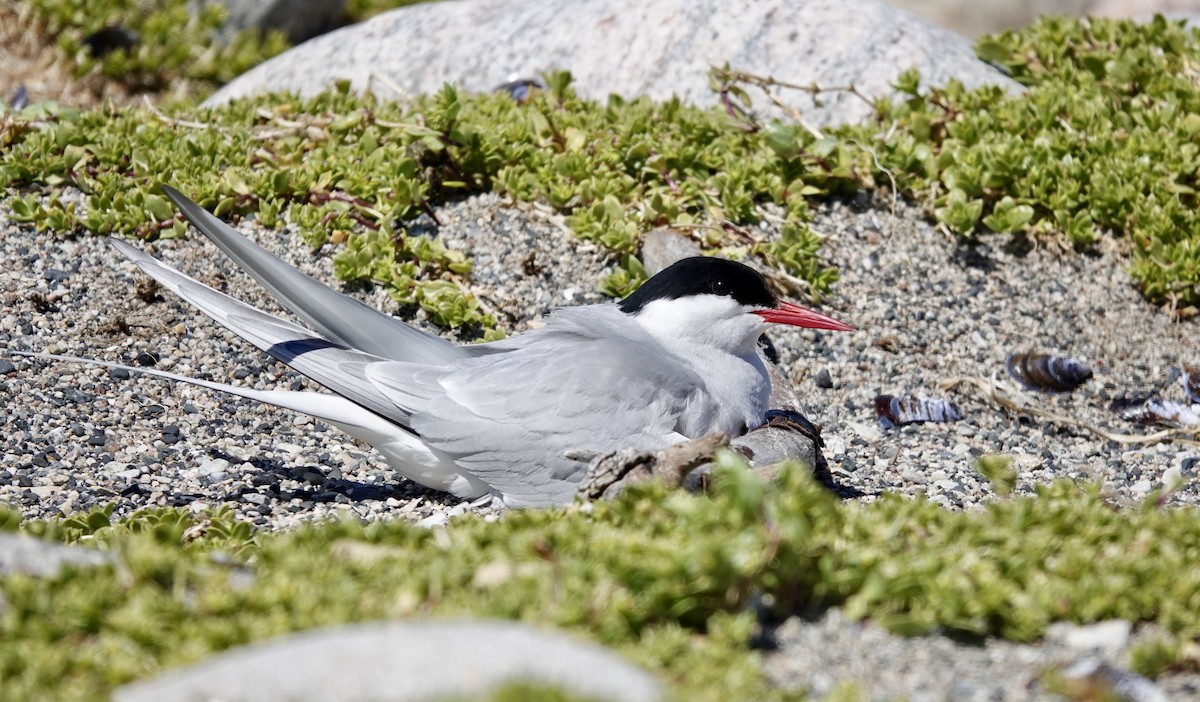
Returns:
(717, 303)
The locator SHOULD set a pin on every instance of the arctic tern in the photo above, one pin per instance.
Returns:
(513, 419)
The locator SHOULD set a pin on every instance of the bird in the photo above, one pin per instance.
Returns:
(513, 420)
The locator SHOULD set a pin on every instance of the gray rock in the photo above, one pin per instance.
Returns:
(410, 661)
(300, 20)
(26, 555)
(630, 48)
(663, 246)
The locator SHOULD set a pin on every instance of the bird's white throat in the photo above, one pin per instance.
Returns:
(718, 338)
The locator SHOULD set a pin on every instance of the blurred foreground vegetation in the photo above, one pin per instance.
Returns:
(677, 582)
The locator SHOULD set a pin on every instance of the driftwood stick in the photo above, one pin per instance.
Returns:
(611, 473)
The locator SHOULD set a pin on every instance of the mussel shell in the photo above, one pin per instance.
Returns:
(520, 89)
(898, 410)
(768, 349)
(1191, 382)
(1155, 410)
(1039, 371)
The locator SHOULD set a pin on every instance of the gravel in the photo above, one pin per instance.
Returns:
(930, 309)
(814, 656)
(927, 306)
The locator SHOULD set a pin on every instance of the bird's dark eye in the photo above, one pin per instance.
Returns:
(719, 287)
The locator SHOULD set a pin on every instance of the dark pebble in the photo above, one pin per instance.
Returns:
(77, 395)
(145, 358)
(6, 367)
(108, 39)
(366, 492)
(97, 439)
(823, 379)
(241, 373)
(55, 275)
(118, 373)
(153, 410)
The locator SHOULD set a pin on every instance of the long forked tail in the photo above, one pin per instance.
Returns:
(405, 452)
(338, 368)
(332, 409)
(338, 317)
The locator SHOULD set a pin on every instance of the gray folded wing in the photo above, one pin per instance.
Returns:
(528, 421)
(338, 317)
(336, 367)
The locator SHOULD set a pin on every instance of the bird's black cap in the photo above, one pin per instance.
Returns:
(701, 275)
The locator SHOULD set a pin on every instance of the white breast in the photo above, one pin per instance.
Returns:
(737, 392)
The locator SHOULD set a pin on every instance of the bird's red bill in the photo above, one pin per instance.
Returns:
(797, 316)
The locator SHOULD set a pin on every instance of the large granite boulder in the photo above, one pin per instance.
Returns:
(630, 48)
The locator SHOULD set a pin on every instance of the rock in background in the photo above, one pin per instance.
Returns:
(974, 18)
(630, 48)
